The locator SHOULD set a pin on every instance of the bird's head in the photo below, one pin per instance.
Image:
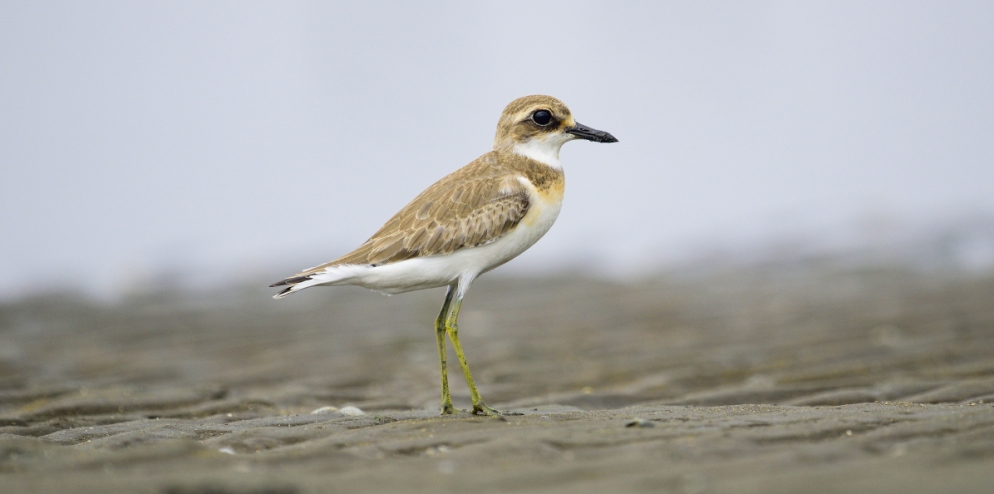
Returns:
(537, 126)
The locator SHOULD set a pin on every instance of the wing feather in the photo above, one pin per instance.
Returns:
(464, 209)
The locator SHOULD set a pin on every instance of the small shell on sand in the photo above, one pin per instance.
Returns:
(639, 422)
(350, 410)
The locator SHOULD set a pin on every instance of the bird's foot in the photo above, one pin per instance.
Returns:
(451, 410)
(482, 409)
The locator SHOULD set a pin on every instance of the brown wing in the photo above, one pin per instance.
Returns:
(464, 209)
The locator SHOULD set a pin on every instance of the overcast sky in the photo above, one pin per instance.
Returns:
(232, 137)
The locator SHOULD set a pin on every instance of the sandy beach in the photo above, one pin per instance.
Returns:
(814, 378)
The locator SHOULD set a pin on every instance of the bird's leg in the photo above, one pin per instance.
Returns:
(447, 407)
(452, 328)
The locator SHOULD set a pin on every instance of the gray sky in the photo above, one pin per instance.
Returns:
(231, 137)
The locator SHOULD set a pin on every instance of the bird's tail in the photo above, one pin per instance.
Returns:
(330, 275)
(292, 284)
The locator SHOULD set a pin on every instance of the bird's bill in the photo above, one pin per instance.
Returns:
(583, 132)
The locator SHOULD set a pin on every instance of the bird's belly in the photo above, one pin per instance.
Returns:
(435, 271)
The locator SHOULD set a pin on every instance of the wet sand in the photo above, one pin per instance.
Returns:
(768, 379)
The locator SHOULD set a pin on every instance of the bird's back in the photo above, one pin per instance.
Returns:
(472, 206)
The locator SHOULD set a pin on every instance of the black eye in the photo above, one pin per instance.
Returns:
(542, 117)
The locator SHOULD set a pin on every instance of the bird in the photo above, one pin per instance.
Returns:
(466, 224)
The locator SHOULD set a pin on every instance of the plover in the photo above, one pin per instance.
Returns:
(473, 220)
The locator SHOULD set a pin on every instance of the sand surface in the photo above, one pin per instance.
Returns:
(800, 379)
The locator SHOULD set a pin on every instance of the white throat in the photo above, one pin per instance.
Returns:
(544, 150)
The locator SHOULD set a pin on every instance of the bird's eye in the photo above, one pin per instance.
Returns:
(542, 117)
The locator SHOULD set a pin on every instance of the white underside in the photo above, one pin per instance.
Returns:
(430, 272)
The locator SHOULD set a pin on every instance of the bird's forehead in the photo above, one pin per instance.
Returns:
(529, 104)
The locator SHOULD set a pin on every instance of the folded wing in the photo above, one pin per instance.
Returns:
(460, 211)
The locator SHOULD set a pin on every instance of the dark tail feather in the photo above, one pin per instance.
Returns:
(291, 281)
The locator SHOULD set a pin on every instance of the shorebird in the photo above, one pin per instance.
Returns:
(469, 222)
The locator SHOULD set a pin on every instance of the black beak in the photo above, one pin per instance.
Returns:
(584, 132)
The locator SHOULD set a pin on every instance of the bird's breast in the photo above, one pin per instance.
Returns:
(545, 201)
(543, 209)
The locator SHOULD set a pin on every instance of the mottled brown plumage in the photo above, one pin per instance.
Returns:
(472, 206)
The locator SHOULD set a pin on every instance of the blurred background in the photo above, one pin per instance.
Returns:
(200, 144)
(799, 212)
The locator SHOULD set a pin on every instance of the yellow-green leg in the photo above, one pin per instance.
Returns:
(452, 328)
(447, 407)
